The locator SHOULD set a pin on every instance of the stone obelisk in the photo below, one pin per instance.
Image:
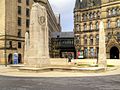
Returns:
(102, 61)
(37, 51)
(26, 47)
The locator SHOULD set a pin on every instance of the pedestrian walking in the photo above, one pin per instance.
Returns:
(69, 57)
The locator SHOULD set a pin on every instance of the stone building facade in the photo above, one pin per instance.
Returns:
(87, 15)
(14, 16)
(15, 19)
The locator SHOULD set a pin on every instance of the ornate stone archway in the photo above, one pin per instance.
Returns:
(113, 49)
(114, 53)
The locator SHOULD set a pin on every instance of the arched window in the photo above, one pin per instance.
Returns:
(118, 36)
(118, 23)
(92, 52)
(91, 26)
(91, 16)
(114, 11)
(85, 26)
(77, 17)
(108, 24)
(91, 39)
(98, 14)
(95, 15)
(10, 59)
(85, 40)
(85, 52)
(77, 27)
(83, 16)
(77, 39)
(109, 35)
(118, 10)
(97, 25)
(87, 15)
(109, 12)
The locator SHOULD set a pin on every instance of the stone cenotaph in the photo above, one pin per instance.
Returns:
(36, 41)
(102, 61)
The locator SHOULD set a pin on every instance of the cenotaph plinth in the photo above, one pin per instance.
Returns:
(36, 42)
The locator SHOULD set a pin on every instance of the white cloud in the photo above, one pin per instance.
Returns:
(65, 8)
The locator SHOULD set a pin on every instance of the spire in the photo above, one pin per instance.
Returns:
(77, 4)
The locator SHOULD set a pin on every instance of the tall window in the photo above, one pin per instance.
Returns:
(19, 21)
(91, 40)
(98, 14)
(85, 51)
(84, 17)
(109, 12)
(114, 11)
(27, 12)
(19, 32)
(19, 10)
(85, 40)
(10, 44)
(27, 2)
(108, 24)
(118, 23)
(97, 25)
(19, 1)
(77, 18)
(19, 45)
(77, 27)
(87, 15)
(85, 26)
(95, 15)
(27, 23)
(118, 10)
(92, 52)
(109, 35)
(77, 38)
(91, 16)
(91, 26)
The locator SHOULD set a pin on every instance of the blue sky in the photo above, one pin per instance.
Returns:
(65, 8)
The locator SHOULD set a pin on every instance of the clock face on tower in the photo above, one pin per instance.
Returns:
(41, 20)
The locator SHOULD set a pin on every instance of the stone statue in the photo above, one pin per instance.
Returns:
(38, 52)
(102, 61)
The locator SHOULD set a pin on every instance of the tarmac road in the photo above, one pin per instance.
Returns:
(60, 83)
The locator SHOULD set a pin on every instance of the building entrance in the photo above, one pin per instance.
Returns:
(19, 58)
(10, 59)
(114, 53)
